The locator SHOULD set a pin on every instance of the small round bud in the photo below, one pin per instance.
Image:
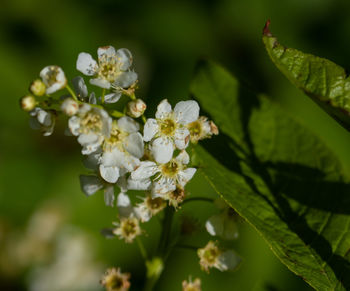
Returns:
(38, 87)
(136, 108)
(70, 107)
(28, 103)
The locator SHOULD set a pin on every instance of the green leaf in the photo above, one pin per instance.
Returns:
(279, 176)
(324, 81)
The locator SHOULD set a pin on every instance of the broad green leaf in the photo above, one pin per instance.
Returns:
(279, 176)
(324, 81)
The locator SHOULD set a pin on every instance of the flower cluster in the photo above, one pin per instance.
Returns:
(123, 149)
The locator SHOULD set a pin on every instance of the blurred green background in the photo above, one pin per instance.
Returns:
(39, 175)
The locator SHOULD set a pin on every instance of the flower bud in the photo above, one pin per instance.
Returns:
(136, 108)
(37, 87)
(28, 103)
(70, 107)
(191, 285)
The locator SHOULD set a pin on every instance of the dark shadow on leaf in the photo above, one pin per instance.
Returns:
(306, 185)
(285, 181)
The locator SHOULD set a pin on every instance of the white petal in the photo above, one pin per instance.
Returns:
(139, 184)
(90, 184)
(163, 186)
(186, 111)
(34, 123)
(182, 138)
(108, 50)
(125, 79)
(146, 170)
(109, 195)
(162, 150)
(100, 83)
(124, 58)
(183, 158)
(92, 98)
(228, 261)
(134, 144)
(86, 64)
(215, 225)
(53, 88)
(128, 124)
(87, 139)
(109, 174)
(124, 205)
(150, 129)
(186, 175)
(117, 158)
(113, 97)
(44, 117)
(163, 109)
(92, 161)
(80, 87)
(90, 148)
(142, 213)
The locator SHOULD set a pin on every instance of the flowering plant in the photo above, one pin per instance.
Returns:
(126, 151)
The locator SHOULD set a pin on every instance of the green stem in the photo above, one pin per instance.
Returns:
(204, 199)
(103, 95)
(142, 248)
(188, 247)
(143, 119)
(155, 266)
(71, 92)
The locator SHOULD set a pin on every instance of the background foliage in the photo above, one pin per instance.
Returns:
(166, 37)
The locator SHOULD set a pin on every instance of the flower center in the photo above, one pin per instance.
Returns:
(195, 129)
(170, 169)
(108, 68)
(155, 203)
(115, 139)
(129, 228)
(115, 282)
(211, 254)
(51, 76)
(91, 122)
(167, 127)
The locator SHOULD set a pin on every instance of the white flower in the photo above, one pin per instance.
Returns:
(170, 175)
(121, 150)
(42, 120)
(111, 70)
(115, 280)
(202, 128)
(53, 78)
(128, 227)
(149, 207)
(92, 126)
(212, 257)
(223, 224)
(169, 130)
(69, 106)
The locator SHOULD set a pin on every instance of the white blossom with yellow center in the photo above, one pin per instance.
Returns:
(92, 126)
(166, 175)
(54, 78)
(111, 71)
(121, 150)
(168, 131)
